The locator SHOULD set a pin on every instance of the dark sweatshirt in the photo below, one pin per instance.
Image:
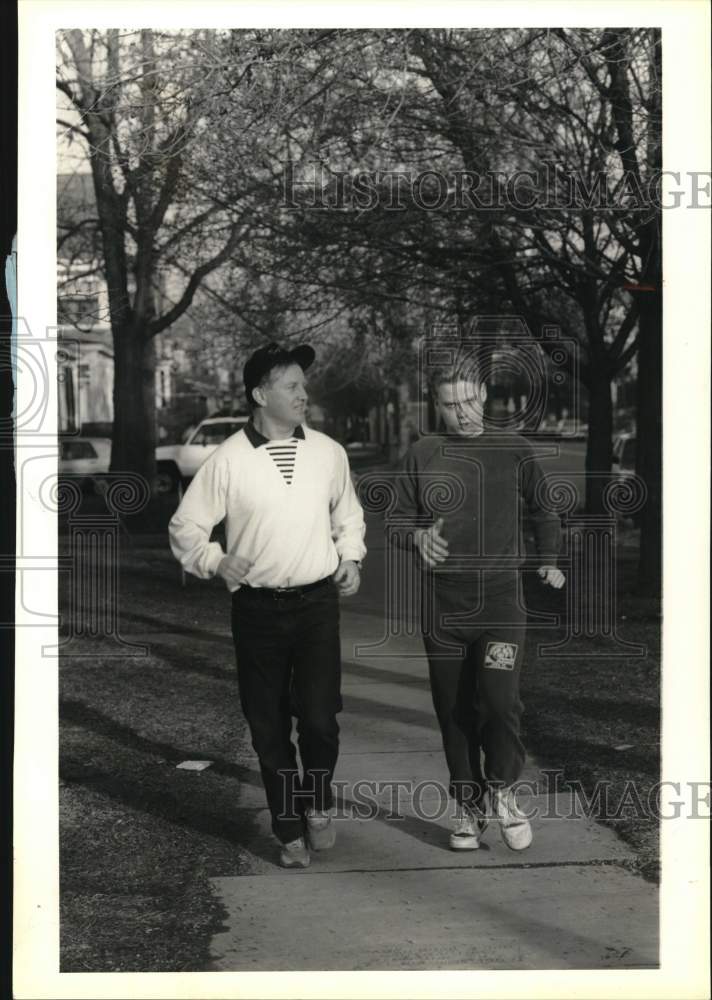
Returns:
(478, 486)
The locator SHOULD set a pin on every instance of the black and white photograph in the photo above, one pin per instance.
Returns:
(361, 425)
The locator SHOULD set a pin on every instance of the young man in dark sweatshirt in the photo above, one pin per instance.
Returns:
(459, 505)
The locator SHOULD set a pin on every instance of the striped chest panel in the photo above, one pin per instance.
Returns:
(284, 456)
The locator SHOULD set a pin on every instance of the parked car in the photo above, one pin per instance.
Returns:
(84, 456)
(624, 452)
(178, 463)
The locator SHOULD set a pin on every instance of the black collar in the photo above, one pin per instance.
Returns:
(256, 439)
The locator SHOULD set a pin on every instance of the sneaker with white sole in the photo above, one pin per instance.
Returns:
(468, 827)
(321, 833)
(294, 854)
(514, 826)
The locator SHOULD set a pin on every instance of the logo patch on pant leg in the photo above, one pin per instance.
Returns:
(501, 655)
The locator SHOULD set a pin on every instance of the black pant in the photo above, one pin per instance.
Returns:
(289, 663)
(476, 694)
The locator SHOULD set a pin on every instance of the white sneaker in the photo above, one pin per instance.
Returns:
(321, 832)
(514, 826)
(468, 827)
(294, 854)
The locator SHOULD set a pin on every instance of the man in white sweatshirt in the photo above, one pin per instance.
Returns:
(295, 540)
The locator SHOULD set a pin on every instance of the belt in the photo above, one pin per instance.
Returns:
(285, 591)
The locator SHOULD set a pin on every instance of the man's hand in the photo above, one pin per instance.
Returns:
(234, 569)
(430, 543)
(347, 578)
(552, 576)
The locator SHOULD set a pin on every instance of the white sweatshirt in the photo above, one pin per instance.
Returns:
(294, 532)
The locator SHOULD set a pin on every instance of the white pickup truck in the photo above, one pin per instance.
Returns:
(178, 463)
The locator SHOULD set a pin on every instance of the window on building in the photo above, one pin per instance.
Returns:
(161, 376)
(78, 310)
(69, 399)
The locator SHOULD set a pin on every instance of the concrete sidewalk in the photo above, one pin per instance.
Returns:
(391, 895)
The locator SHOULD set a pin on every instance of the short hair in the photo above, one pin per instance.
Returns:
(465, 367)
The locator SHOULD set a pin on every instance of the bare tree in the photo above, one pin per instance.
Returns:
(554, 137)
(587, 104)
(171, 207)
(194, 140)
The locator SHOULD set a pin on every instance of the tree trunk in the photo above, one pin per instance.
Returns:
(598, 446)
(649, 439)
(134, 438)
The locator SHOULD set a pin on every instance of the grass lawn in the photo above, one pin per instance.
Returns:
(580, 712)
(598, 722)
(140, 838)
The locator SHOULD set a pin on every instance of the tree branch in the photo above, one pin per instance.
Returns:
(625, 357)
(619, 341)
(162, 322)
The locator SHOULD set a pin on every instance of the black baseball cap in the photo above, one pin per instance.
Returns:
(273, 356)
